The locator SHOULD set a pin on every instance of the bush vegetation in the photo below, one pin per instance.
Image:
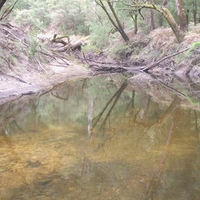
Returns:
(100, 19)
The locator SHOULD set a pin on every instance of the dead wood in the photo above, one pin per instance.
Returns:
(119, 67)
(60, 39)
(67, 46)
(76, 46)
(163, 59)
(109, 69)
(94, 59)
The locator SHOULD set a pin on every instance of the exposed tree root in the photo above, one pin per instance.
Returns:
(14, 77)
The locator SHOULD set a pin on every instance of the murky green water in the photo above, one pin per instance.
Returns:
(100, 139)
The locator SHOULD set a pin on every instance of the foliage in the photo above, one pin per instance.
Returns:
(32, 15)
(86, 17)
(111, 12)
(195, 45)
(192, 48)
(100, 36)
(68, 16)
(71, 15)
(33, 47)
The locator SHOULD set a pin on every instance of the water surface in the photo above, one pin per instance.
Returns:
(100, 138)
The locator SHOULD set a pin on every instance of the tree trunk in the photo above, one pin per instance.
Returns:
(199, 18)
(152, 24)
(170, 19)
(165, 2)
(166, 14)
(182, 15)
(115, 23)
(174, 26)
(2, 3)
(136, 24)
(195, 12)
(188, 17)
(122, 32)
(152, 20)
(160, 20)
(135, 21)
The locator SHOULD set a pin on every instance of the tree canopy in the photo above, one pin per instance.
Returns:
(102, 18)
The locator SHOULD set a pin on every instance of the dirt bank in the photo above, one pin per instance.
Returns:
(158, 53)
(29, 66)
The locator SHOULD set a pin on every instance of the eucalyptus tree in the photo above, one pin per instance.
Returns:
(141, 4)
(181, 14)
(108, 7)
(193, 11)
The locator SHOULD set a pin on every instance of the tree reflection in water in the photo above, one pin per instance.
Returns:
(136, 148)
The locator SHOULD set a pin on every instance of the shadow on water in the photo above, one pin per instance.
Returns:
(100, 138)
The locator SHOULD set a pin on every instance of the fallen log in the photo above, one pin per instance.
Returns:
(76, 46)
(118, 69)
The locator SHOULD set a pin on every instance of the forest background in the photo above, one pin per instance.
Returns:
(101, 19)
(136, 32)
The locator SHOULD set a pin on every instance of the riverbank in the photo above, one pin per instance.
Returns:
(38, 82)
(161, 50)
(29, 65)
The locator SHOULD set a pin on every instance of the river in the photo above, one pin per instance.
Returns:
(101, 138)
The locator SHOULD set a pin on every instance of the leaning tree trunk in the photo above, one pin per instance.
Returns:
(2, 3)
(166, 14)
(174, 26)
(115, 22)
(170, 19)
(122, 32)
